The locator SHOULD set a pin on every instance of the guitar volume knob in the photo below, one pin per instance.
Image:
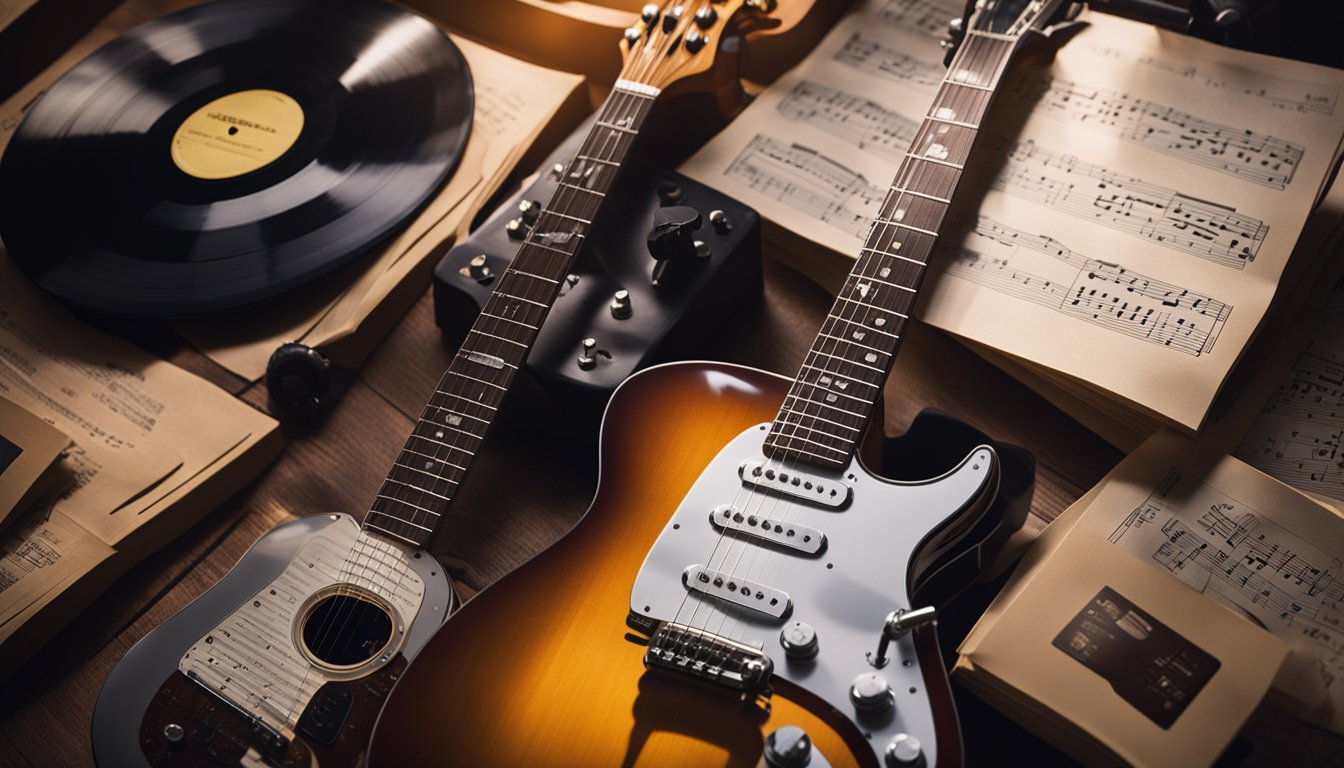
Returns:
(904, 751)
(871, 693)
(799, 641)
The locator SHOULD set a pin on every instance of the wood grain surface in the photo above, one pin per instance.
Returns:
(531, 483)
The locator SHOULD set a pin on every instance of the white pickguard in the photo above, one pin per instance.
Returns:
(845, 592)
(251, 657)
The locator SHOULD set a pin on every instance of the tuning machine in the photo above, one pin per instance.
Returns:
(956, 32)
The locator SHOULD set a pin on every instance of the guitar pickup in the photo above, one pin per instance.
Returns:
(799, 485)
(744, 592)
(800, 538)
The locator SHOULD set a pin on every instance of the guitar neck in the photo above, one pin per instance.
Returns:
(431, 467)
(824, 416)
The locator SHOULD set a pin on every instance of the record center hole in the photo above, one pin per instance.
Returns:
(233, 130)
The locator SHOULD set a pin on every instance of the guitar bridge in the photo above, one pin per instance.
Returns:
(707, 656)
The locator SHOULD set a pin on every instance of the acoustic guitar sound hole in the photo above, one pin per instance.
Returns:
(345, 630)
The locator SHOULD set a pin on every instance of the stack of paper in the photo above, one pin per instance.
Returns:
(1123, 229)
(1148, 621)
(154, 449)
(30, 452)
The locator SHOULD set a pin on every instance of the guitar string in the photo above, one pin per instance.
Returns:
(980, 58)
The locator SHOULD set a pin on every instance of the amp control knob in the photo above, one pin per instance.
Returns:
(799, 641)
(904, 752)
(870, 693)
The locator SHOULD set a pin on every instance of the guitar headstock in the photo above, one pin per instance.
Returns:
(1019, 20)
(675, 39)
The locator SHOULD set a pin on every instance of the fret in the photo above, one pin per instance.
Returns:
(436, 459)
(777, 438)
(950, 121)
(403, 501)
(416, 488)
(585, 222)
(854, 343)
(438, 433)
(509, 320)
(386, 532)
(892, 255)
(452, 412)
(847, 360)
(576, 187)
(536, 277)
(903, 225)
(934, 198)
(417, 469)
(499, 338)
(804, 414)
(831, 406)
(969, 85)
(866, 328)
(508, 295)
(613, 127)
(469, 400)
(799, 427)
(829, 372)
(934, 160)
(589, 159)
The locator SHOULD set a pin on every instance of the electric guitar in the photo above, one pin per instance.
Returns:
(286, 661)
(741, 588)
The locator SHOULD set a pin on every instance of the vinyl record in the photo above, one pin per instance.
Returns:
(231, 152)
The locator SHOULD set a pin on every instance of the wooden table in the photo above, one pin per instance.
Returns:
(336, 462)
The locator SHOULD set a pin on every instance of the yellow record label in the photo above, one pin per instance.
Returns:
(237, 134)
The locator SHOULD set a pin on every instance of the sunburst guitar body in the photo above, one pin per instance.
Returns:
(699, 611)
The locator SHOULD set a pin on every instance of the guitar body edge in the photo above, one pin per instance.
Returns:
(138, 679)
(541, 670)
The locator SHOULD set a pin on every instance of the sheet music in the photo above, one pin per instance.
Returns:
(1238, 553)
(1041, 270)
(1190, 164)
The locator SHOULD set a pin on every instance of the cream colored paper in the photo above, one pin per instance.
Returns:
(514, 100)
(43, 555)
(36, 467)
(1088, 548)
(141, 427)
(1131, 229)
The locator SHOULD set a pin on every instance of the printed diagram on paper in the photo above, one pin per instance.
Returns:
(1240, 557)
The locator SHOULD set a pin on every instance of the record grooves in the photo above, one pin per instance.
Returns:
(231, 152)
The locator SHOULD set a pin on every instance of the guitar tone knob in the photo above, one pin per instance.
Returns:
(799, 641)
(788, 747)
(870, 693)
(621, 308)
(904, 751)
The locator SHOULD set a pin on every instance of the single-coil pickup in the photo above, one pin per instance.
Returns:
(802, 538)
(748, 594)
(799, 485)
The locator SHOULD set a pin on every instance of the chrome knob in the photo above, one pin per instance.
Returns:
(870, 692)
(799, 640)
(621, 308)
(719, 220)
(587, 360)
(788, 747)
(530, 209)
(476, 269)
(557, 171)
(516, 229)
(702, 250)
(904, 751)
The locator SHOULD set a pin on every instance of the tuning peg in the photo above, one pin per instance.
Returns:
(476, 269)
(764, 6)
(649, 14)
(632, 36)
(671, 18)
(706, 17)
(530, 210)
(695, 41)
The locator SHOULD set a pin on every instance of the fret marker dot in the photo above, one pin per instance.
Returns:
(871, 357)
(429, 465)
(863, 289)
(879, 322)
(936, 151)
(842, 385)
(825, 381)
(899, 214)
(439, 434)
(858, 335)
(831, 398)
(884, 272)
(945, 113)
(453, 419)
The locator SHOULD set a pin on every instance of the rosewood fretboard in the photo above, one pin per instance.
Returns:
(432, 466)
(831, 400)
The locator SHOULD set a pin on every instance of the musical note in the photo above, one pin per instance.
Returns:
(1240, 152)
(859, 121)
(1297, 436)
(1041, 270)
(1290, 95)
(873, 57)
(1128, 204)
(1241, 557)
(929, 17)
(809, 182)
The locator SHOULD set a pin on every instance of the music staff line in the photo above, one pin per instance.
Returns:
(1280, 93)
(929, 17)
(856, 119)
(1041, 270)
(1268, 568)
(1239, 152)
(1299, 435)
(886, 62)
(828, 191)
